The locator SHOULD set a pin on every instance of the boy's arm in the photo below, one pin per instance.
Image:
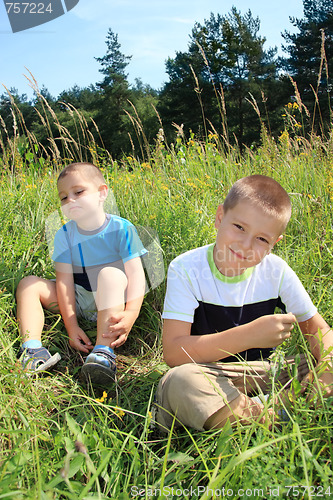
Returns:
(180, 347)
(122, 322)
(320, 338)
(66, 300)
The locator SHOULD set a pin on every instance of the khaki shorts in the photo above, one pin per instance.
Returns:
(193, 392)
(85, 303)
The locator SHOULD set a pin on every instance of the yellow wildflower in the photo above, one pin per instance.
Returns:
(103, 398)
(119, 412)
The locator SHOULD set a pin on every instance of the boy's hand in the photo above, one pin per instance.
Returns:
(273, 329)
(324, 385)
(120, 324)
(325, 382)
(79, 340)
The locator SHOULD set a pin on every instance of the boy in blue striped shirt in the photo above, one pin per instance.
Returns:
(99, 276)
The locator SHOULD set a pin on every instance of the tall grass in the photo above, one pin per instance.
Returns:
(60, 439)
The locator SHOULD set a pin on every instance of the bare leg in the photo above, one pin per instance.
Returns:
(243, 409)
(32, 295)
(100, 366)
(110, 299)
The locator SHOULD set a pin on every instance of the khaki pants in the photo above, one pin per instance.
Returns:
(193, 392)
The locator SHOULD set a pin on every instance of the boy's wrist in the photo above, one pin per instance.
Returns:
(71, 326)
(132, 313)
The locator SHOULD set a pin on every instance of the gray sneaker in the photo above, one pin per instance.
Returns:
(100, 367)
(38, 359)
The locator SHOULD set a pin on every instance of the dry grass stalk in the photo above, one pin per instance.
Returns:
(298, 98)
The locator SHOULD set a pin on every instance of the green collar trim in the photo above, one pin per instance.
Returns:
(226, 279)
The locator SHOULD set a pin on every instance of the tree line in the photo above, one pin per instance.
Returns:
(226, 83)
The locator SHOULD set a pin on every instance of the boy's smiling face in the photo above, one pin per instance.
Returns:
(82, 200)
(245, 235)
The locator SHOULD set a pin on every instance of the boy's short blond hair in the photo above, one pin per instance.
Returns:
(88, 170)
(262, 192)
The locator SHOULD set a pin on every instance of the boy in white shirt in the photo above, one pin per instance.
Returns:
(219, 322)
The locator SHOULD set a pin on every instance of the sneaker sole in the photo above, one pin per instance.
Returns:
(98, 374)
(53, 360)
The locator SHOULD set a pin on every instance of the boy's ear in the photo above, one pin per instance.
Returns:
(219, 215)
(279, 239)
(103, 192)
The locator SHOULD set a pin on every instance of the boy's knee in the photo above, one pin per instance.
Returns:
(26, 283)
(112, 276)
(184, 375)
(180, 383)
(193, 393)
(172, 395)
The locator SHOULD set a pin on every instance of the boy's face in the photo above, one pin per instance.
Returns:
(81, 199)
(245, 235)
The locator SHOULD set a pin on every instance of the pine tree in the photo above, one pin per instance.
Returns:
(113, 96)
(310, 49)
(226, 52)
(113, 62)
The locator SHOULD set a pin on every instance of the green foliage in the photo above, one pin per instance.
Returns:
(58, 438)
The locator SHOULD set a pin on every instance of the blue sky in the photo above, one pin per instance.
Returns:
(61, 53)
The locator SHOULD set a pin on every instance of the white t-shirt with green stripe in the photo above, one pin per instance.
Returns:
(199, 294)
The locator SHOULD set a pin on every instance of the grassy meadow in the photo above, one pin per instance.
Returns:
(61, 440)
